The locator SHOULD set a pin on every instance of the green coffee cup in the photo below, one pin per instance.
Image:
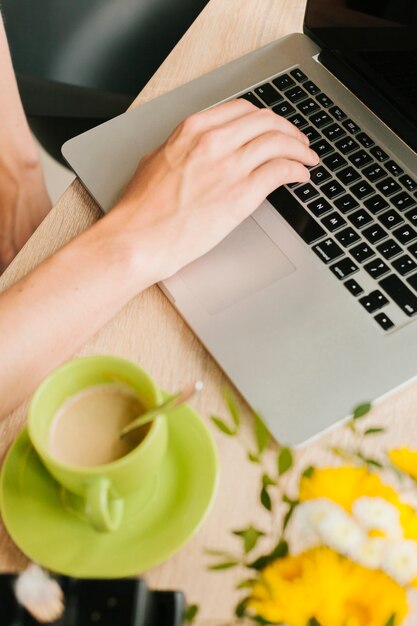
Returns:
(103, 488)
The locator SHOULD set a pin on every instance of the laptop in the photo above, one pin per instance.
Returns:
(310, 305)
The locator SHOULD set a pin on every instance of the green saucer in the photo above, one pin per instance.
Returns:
(42, 518)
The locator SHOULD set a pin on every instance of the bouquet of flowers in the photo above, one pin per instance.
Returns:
(343, 545)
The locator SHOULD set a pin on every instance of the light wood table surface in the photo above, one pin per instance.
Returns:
(150, 331)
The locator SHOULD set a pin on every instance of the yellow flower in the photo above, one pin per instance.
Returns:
(344, 485)
(323, 585)
(406, 460)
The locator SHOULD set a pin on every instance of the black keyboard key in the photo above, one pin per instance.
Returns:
(365, 140)
(388, 186)
(250, 97)
(379, 154)
(389, 249)
(321, 147)
(307, 107)
(347, 236)
(393, 168)
(283, 82)
(311, 133)
(346, 203)
(412, 280)
(320, 119)
(384, 321)
(295, 94)
(296, 215)
(351, 126)
(333, 132)
(362, 189)
(400, 293)
(328, 250)
(376, 204)
(402, 201)
(405, 234)
(348, 175)
(360, 218)
(334, 162)
(360, 158)
(408, 182)
(376, 268)
(298, 75)
(374, 233)
(390, 219)
(344, 268)
(347, 145)
(373, 172)
(324, 100)
(298, 120)
(306, 192)
(268, 94)
(319, 175)
(413, 250)
(354, 287)
(412, 216)
(332, 189)
(338, 113)
(362, 252)
(319, 206)
(374, 301)
(311, 88)
(404, 265)
(285, 109)
(333, 221)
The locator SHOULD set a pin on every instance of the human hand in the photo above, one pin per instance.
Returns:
(24, 202)
(214, 170)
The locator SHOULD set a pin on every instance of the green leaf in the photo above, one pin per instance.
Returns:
(374, 431)
(285, 460)
(250, 537)
(253, 458)
(223, 427)
(191, 613)
(246, 584)
(313, 622)
(224, 565)
(222, 553)
(279, 552)
(268, 481)
(289, 513)
(361, 410)
(369, 461)
(308, 472)
(266, 499)
(232, 406)
(240, 609)
(391, 621)
(262, 435)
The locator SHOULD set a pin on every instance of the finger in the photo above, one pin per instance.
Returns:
(266, 178)
(274, 145)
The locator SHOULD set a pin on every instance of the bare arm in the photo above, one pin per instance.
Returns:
(24, 201)
(185, 197)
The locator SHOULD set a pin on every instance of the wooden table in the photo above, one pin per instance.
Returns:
(150, 332)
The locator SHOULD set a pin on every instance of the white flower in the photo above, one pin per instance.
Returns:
(339, 531)
(304, 520)
(39, 594)
(370, 552)
(378, 514)
(400, 560)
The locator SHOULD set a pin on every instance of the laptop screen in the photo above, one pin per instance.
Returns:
(375, 41)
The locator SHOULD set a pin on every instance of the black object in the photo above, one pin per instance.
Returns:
(82, 62)
(121, 602)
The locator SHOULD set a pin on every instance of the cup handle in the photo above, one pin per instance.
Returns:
(104, 511)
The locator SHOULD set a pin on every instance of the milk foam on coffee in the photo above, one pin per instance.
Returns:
(86, 430)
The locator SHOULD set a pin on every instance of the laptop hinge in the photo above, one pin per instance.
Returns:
(370, 96)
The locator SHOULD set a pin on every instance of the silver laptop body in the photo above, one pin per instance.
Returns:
(298, 345)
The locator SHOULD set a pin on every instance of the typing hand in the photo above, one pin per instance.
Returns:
(214, 170)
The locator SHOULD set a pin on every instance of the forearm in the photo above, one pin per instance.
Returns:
(49, 314)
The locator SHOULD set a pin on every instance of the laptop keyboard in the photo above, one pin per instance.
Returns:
(359, 209)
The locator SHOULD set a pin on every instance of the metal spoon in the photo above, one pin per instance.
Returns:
(170, 404)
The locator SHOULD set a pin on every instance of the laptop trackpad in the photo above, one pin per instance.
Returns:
(243, 263)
